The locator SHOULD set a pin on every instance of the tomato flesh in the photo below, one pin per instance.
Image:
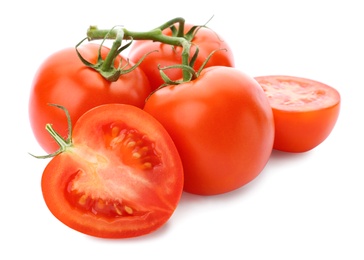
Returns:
(122, 177)
(305, 111)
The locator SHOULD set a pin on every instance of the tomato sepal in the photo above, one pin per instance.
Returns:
(63, 143)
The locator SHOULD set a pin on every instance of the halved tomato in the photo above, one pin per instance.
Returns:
(305, 111)
(121, 177)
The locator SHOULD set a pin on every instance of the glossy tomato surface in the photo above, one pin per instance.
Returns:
(207, 41)
(222, 125)
(64, 80)
(305, 111)
(121, 178)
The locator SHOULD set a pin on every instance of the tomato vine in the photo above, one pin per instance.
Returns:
(179, 38)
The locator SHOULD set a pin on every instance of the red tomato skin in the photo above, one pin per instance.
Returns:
(302, 130)
(64, 80)
(222, 125)
(167, 55)
(159, 200)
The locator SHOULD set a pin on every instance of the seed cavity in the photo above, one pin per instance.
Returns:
(133, 147)
(102, 207)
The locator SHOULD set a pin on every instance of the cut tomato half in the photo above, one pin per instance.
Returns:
(305, 111)
(122, 177)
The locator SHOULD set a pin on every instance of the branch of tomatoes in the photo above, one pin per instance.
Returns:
(178, 38)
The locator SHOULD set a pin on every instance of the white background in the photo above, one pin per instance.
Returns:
(302, 206)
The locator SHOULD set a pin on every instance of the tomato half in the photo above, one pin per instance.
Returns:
(305, 111)
(222, 125)
(207, 40)
(64, 80)
(121, 178)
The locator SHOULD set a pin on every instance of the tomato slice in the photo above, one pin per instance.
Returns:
(305, 111)
(122, 177)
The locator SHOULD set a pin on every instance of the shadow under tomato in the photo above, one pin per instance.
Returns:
(280, 156)
(192, 202)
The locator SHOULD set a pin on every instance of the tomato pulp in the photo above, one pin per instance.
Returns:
(305, 111)
(122, 177)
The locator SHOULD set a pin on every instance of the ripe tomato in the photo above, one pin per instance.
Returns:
(222, 126)
(122, 177)
(63, 79)
(305, 111)
(206, 39)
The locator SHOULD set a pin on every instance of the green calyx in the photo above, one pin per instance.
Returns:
(64, 144)
(106, 66)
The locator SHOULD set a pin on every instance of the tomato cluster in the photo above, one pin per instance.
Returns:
(174, 116)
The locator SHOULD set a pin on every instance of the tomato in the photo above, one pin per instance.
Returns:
(63, 79)
(222, 125)
(122, 177)
(206, 39)
(305, 111)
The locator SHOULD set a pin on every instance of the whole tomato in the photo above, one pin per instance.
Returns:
(163, 55)
(222, 125)
(64, 80)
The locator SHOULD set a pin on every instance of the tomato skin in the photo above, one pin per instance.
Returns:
(96, 167)
(300, 128)
(64, 80)
(167, 55)
(222, 125)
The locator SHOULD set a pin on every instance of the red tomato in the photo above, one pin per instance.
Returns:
(122, 177)
(222, 125)
(63, 79)
(206, 39)
(305, 111)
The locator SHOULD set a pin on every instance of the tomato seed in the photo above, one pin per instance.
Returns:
(147, 165)
(136, 155)
(115, 131)
(128, 210)
(82, 200)
(118, 211)
(131, 144)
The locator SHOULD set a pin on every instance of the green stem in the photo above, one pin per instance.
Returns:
(181, 27)
(156, 34)
(64, 144)
(108, 63)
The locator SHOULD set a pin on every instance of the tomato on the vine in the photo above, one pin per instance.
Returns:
(120, 177)
(222, 125)
(207, 41)
(305, 111)
(63, 79)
